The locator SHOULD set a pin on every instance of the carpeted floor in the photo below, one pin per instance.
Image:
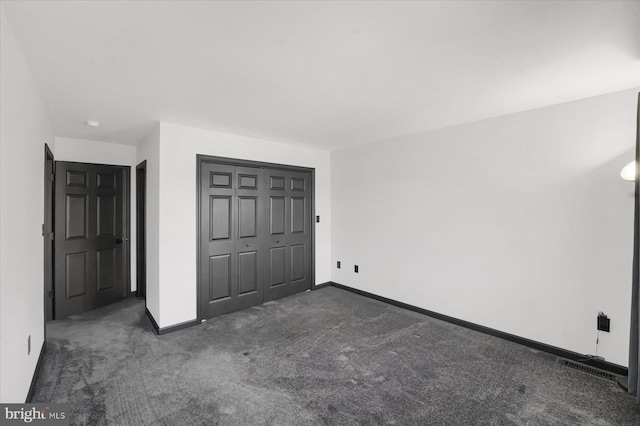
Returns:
(322, 357)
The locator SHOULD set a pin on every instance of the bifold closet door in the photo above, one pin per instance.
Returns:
(231, 245)
(288, 243)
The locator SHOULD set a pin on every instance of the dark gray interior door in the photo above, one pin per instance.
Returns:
(288, 241)
(141, 230)
(231, 246)
(90, 237)
(47, 232)
(255, 235)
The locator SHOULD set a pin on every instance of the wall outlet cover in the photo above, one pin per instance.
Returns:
(604, 323)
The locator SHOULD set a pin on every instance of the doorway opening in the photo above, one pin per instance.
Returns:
(47, 232)
(141, 227)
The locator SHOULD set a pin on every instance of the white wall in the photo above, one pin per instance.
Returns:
(24, 130)
(149, 150)
(519, 223)
(86, 151)
(178, 148)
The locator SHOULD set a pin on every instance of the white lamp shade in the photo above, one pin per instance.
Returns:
(629, 172)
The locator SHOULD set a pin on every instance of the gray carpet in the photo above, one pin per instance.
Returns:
(322, 357)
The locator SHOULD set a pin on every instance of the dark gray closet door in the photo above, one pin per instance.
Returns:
(231, 247)
(288, 240)
(90, 257)
(251, 227)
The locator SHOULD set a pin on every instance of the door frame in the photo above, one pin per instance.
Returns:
(47, 234)
(141, 231)
(200, 159)
(126, 219)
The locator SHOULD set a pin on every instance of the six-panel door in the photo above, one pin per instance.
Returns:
(90, 263)
(288, 253)
(231, 245)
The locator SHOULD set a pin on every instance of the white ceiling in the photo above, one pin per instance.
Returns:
(324, 74)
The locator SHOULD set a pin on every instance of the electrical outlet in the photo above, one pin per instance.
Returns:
(317, 219)
(338, 264)
(29, 345)
(355, 269)
(604, 323)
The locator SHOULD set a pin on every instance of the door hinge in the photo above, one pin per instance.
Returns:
(43, 229)
(50, 293)
(52, 178)
(51, 235)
